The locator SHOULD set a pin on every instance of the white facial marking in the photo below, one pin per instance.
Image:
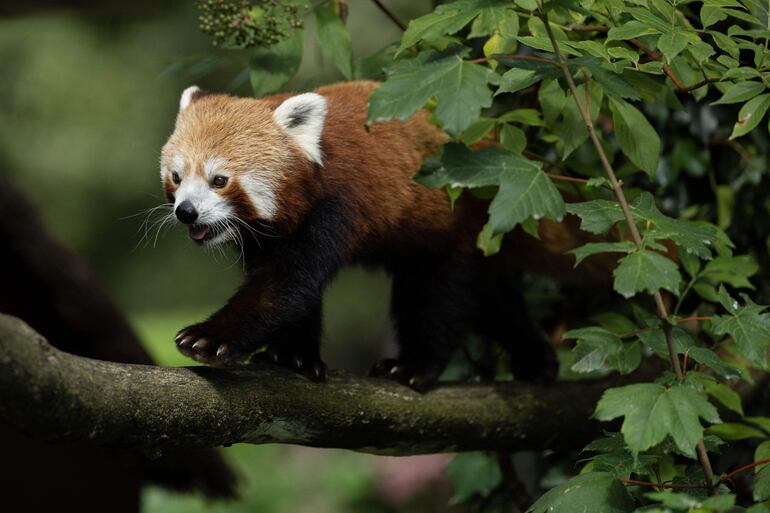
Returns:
(187, 97)
(261, 193)
(214, 166)
(302, 117)
(211, 207)
(177, 164)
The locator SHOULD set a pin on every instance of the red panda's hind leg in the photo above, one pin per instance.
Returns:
(432, 304)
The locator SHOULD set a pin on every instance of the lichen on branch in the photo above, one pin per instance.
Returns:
(147, 408)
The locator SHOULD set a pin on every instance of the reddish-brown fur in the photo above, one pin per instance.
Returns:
(379, 215)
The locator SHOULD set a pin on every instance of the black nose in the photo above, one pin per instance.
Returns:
(186, 212)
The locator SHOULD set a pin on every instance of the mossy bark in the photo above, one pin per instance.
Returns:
(142, 407)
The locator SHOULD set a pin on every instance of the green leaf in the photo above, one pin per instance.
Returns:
(621, 52)
(451, 17)
(653, 412)
(516, 79)
(492, 16)
(733, 270)
(750, 115)
(593, 248)
(695, 237)
(572, 129)
(460, 89)
(762, 485)
(524, 191)
(552, 99)
(725, 395)
(433, 25)
(596, 216)
(740, 92)
(763, 507)
(762, 452)
(472, 473)
(630, 30)
(646, 271)
(614, 84)
(477, 130)
(710, 359)
(711, 14)
(671, 43)
(598, 492)
(636, 137)
(655, 339)
(733, 431)
(513, 138)
(523, 116)
(597, 347)
(271, 68)
(748, 325)
(680, 500)
(334, 39)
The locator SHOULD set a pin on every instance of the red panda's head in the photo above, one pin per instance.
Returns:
(231, 162)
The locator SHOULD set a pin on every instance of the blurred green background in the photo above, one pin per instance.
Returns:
(87, 99)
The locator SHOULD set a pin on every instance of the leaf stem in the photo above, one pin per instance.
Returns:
(687, 486)
(513, 57)
(565, 178)
(653, 328)
(618, 190)
(722, 479)
(577, 27)
(684, 293)
(738, 470)
(390, 14)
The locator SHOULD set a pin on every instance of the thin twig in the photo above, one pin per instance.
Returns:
(667, 69)
(689, 486)
(655, 328)
(566, 178)
(390, 14)
(725, 477)
(738, 470)
(577, 27)
(512, 57)
(617, 188)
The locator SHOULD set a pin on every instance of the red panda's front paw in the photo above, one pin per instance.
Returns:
(203, 343)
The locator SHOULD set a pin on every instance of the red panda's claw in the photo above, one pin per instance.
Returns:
(201, 344)
(308, 365)
(419, 378)
(319, 371)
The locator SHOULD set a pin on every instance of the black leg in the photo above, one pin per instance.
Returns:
(504, 318)
(279, 306)
(432, 305)
(297, 346)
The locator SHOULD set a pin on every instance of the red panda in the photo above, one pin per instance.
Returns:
(304, 187)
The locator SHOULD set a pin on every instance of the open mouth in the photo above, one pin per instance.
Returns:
(201, 232)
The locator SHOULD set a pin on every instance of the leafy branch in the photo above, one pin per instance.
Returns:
(636, 236)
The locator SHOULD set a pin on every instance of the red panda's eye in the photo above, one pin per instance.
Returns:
(175, 177)
(219, 181)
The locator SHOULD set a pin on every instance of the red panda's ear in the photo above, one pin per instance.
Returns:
(302, 117)
(189, 95)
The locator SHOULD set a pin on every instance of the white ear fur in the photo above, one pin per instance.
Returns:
(302, 117)
(187, 97)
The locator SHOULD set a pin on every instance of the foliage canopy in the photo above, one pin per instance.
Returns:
(626, 107)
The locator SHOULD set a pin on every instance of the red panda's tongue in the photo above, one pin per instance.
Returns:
(198, 232)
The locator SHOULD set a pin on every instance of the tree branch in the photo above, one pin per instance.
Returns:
(66, 397)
